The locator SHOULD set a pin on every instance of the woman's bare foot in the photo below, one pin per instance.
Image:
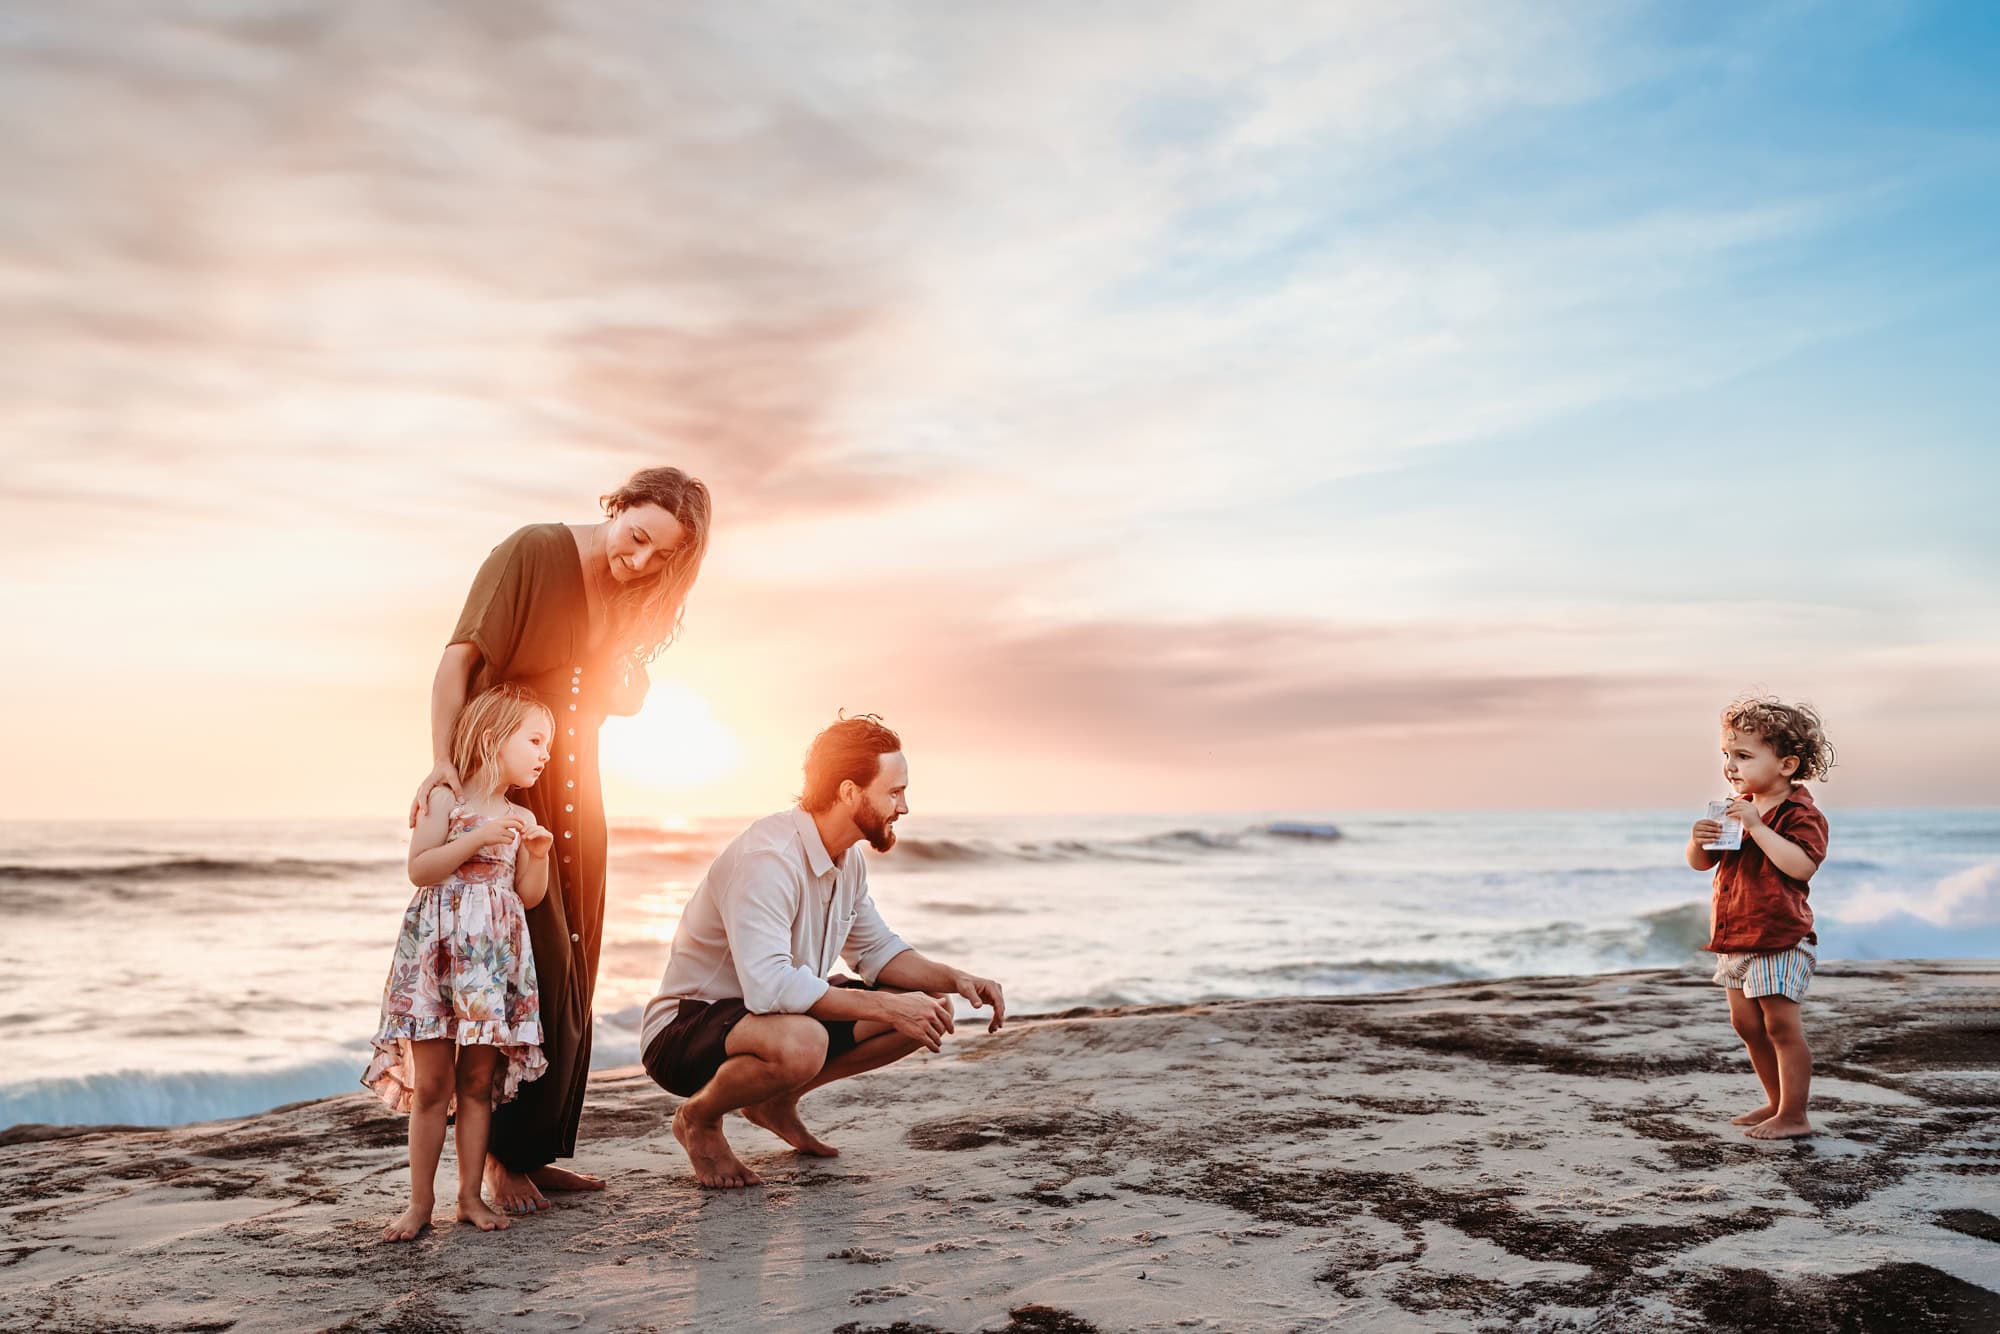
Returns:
(410, 1224)
(513, 1192)
(780, 1116)
(1764, 1113)
(561, 1178)
(1781, 1127)
(481, 1215)
(715, 1163)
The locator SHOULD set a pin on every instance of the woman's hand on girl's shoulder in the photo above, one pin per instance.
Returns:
(445, 775)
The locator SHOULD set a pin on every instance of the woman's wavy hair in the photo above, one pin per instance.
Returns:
(484, 725)
(1793, 730)
(851, 749)
(649, 613)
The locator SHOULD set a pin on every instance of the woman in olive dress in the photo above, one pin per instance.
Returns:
(572, 612)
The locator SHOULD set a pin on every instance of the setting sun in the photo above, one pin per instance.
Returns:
(674, 745)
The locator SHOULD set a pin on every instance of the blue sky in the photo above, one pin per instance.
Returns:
(1147, 406)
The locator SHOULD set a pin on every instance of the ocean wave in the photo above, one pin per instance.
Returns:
(1168, 845)
(155, 1098)
(191, 868)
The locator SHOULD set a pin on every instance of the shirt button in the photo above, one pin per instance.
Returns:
(570, 783)
(565, 859)
(572, 709)
(569, 808)
(572, 731)
(575, 690)
(572, 759)
(574, 936)
(565, 833)
(576, 671)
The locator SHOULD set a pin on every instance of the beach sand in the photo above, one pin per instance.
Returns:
(1547, 1153)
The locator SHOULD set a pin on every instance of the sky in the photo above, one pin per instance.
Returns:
(1142, 406)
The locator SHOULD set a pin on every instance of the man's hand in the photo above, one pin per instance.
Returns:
(982, 992)
(920, 1017)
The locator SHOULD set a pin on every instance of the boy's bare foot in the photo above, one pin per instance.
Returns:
(1764, 1113)
(1781, 1127)
(715, 1163)
(410, 1224)
(780, 1116)
(513, 1192)
(561, 1178)
(482, 1216)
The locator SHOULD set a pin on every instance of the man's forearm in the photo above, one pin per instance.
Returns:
(911, 971)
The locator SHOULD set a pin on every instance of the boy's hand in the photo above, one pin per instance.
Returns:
(537, 841)
(1707, 831)
(1745, 810)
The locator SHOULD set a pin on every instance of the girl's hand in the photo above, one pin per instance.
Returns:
(536, 841)
(445, 775)
(1707, 831)
(1745, 810)
(502, 829)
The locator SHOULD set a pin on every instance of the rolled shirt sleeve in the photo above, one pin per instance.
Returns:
(870, 943)
(758, 921)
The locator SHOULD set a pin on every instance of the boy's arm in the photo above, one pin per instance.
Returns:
(1787, 856)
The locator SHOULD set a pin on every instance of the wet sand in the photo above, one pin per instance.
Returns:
(1546, 1153)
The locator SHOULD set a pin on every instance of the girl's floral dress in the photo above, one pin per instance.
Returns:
(463, 971)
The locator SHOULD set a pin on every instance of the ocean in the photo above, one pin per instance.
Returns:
(159, 974)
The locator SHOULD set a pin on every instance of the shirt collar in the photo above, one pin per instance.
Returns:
(817, 857)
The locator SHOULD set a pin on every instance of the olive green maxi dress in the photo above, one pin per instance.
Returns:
(530, 620)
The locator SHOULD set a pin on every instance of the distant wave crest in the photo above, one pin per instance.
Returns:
(189, 868)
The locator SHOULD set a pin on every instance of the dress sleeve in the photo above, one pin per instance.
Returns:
(496, 608)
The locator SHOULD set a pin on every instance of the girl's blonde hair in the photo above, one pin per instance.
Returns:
(1790, 730)
(648, 615)
(484, 725)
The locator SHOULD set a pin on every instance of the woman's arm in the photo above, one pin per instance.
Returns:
(449, 688)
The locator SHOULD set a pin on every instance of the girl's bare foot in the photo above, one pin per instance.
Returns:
(481, 1215)
(1781, 1127)
(1764, 1113)
(410, 1224)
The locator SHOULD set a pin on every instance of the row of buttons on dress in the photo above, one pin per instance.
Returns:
(569, 807)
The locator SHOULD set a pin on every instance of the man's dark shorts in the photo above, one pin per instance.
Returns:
(687, 1052)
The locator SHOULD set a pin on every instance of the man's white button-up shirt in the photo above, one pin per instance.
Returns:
(769, 921)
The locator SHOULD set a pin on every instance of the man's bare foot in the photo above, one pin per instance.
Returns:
(513, 1192)
(561, 1178)
(715, 1163)
(1781, 1127)
(410, 1224)
(1764, 1113)
(780, 1116)
(481, 1215)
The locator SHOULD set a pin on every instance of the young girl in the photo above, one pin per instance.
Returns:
(460, 1012)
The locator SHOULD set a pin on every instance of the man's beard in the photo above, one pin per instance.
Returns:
(875, 828)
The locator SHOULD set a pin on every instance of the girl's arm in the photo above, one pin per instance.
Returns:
(449, 688)
(531, 863)
(433, 856)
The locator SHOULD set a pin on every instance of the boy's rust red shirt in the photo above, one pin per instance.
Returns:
(1758, 907)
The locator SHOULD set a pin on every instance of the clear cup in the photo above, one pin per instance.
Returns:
(1731, 837)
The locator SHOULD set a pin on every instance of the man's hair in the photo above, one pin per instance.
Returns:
(850, 749)
(1788, 729)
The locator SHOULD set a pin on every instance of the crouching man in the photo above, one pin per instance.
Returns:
(748, 1016)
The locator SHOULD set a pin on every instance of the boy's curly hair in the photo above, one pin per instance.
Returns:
(1788, 729)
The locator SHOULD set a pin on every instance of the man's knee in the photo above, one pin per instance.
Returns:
(795, 1047)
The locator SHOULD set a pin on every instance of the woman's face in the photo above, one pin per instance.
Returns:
(639, 541)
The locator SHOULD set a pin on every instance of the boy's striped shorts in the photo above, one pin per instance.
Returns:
(1784, 973)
